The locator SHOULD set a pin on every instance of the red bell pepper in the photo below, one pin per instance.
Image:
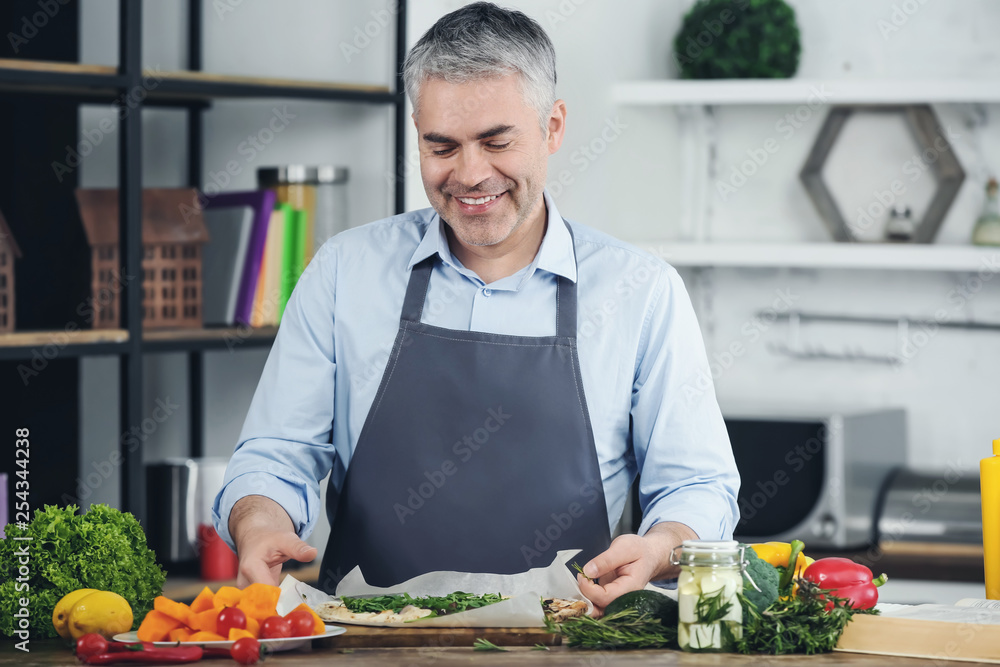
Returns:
(843, 578)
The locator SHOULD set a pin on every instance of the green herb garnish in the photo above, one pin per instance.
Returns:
(441, 606)
(539, 647)
(486, 645)
(625, 629)
(580, 570)
(797, 624)
(711, 608)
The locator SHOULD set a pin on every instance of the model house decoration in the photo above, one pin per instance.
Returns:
(173, 233)
(8, 253)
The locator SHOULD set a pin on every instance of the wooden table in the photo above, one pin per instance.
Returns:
(54, 652)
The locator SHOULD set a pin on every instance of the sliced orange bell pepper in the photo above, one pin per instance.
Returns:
(179, 634)
(259, 601)
(156, 626)
(239, 633)
(203, 601)
(205, 621)
(176, 610)
(227, 596)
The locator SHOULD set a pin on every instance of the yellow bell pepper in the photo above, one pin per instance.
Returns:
(777, 554)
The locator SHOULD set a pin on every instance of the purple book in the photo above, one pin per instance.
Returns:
(262, 202)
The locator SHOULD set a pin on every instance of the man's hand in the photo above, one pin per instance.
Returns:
(265, 538)
(631, 562)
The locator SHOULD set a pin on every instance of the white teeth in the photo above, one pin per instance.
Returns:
(481, 200)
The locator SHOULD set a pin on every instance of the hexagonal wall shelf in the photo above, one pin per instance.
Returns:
(935, 151)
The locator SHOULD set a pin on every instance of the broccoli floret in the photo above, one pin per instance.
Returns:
(766, 577)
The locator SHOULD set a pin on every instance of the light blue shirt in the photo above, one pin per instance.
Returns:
(645, 372)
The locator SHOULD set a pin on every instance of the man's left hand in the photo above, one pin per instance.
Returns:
(631, 562)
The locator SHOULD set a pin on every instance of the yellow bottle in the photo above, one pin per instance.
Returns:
(989, 484)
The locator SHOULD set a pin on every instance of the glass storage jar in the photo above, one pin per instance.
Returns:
(710, 618)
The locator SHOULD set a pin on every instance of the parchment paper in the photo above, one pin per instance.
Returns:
(522, 610)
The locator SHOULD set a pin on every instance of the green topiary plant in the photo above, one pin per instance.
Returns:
(738, 39)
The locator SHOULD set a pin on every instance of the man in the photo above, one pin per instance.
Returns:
(483, 378)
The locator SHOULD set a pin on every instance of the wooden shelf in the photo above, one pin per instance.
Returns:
(180, 87)
(59, 77)
(802, 91)
(224, 338)
(870, 256)
(52, 344)
(52, 66)
(207, 85)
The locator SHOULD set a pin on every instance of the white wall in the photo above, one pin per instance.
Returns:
(631, 190)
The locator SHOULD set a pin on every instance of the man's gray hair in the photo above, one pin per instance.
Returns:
(483, 41)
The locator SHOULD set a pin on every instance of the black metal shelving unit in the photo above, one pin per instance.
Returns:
(193, 91)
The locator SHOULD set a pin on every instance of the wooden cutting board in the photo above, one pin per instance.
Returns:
(916, 638)
(363, 636)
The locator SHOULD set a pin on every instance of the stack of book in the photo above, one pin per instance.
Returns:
(257, 252)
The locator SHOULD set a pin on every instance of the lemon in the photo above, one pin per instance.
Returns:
(103, 612)
(61, 612)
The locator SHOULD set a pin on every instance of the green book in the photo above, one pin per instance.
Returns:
(293, 251)
(288, 245)
(302, 242)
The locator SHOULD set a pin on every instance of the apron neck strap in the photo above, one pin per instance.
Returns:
(420, 279)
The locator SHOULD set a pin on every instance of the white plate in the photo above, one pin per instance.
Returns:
(278, 644)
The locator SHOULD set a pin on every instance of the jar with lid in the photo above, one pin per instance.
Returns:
(710, 618)
(331, 202)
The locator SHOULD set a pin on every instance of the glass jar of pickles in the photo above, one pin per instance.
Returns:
(710, 618)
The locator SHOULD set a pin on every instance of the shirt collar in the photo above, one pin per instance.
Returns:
(556, 254)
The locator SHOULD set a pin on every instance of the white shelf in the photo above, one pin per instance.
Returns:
(829, 256)
(802, 91)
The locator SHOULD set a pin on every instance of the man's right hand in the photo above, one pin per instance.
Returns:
(265, 538)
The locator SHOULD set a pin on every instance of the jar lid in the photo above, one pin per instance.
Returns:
(329, 174)
(268, 177)
(714, 552)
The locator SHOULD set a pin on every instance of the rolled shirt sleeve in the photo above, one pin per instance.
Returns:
(685, 461)
(285, 446)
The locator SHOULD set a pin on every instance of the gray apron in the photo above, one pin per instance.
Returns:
(477, 455)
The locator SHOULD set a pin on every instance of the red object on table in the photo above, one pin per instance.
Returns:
(844, 578)
(218, 562)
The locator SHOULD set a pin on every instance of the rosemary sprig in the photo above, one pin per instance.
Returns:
(711, 608)
(796, 624)
(539, 647)
(485, 645)
(580, 570)
(626, 629)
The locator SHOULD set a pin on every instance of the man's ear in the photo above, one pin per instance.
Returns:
(557, 126)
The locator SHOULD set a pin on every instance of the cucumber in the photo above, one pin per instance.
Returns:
(651, 603)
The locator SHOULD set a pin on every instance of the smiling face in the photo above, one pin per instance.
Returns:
(483, 160)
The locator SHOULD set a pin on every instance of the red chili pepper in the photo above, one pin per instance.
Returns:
(162, 655)
(843, 578)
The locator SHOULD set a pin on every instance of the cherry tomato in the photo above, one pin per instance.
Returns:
(230, 617)
(246, 651)
(91, 644)
(302, 623)
(275, 627)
